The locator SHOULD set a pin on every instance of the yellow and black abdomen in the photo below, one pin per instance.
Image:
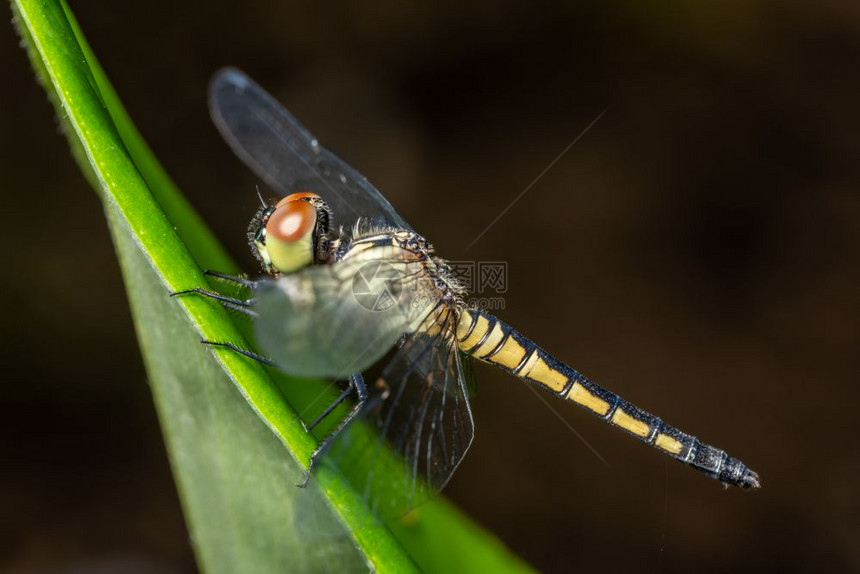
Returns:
(487, 338)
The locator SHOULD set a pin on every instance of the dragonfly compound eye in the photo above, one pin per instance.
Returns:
(291, 221)
(289, 234)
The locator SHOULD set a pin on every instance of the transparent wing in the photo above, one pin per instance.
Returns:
(286, 156)
(416, 426)
(339, 319)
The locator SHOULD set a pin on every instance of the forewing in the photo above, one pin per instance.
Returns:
(419, 423)
(286, 156)
(339, 319)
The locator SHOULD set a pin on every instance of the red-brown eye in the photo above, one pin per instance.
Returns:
(292, 220)
(297, 195)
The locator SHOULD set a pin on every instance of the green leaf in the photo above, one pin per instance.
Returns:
(235, 443)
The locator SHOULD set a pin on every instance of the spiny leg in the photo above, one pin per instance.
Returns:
(216, 296)
(241, 351)
(241, 305)
(355, 381)
(347, 391)
(231, 278)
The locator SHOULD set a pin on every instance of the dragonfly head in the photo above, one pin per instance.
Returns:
(286, 236)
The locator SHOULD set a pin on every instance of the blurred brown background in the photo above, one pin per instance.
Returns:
(696, 252)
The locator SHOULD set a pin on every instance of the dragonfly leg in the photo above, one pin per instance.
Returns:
(357, 382)
(216, 296)
(231, 278)
(346, 392)
(241, 351)
(240, 305)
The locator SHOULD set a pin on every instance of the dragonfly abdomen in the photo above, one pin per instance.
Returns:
(489, 339)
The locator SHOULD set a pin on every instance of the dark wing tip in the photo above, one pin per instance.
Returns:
(228, 81)
(229, 75)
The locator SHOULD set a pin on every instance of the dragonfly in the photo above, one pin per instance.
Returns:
(348, 282)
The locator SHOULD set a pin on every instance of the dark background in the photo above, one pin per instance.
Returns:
(696, 252)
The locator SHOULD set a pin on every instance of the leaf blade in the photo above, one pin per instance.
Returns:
(144, 208)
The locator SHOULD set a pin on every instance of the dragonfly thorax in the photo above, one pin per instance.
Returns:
(426, 279)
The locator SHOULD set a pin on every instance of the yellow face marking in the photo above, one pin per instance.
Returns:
(668, 443)
(589, 400)
(477, 333)
(627, 422)
(510, 355)
(288, 256)
(543, 373)
(493, 340)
